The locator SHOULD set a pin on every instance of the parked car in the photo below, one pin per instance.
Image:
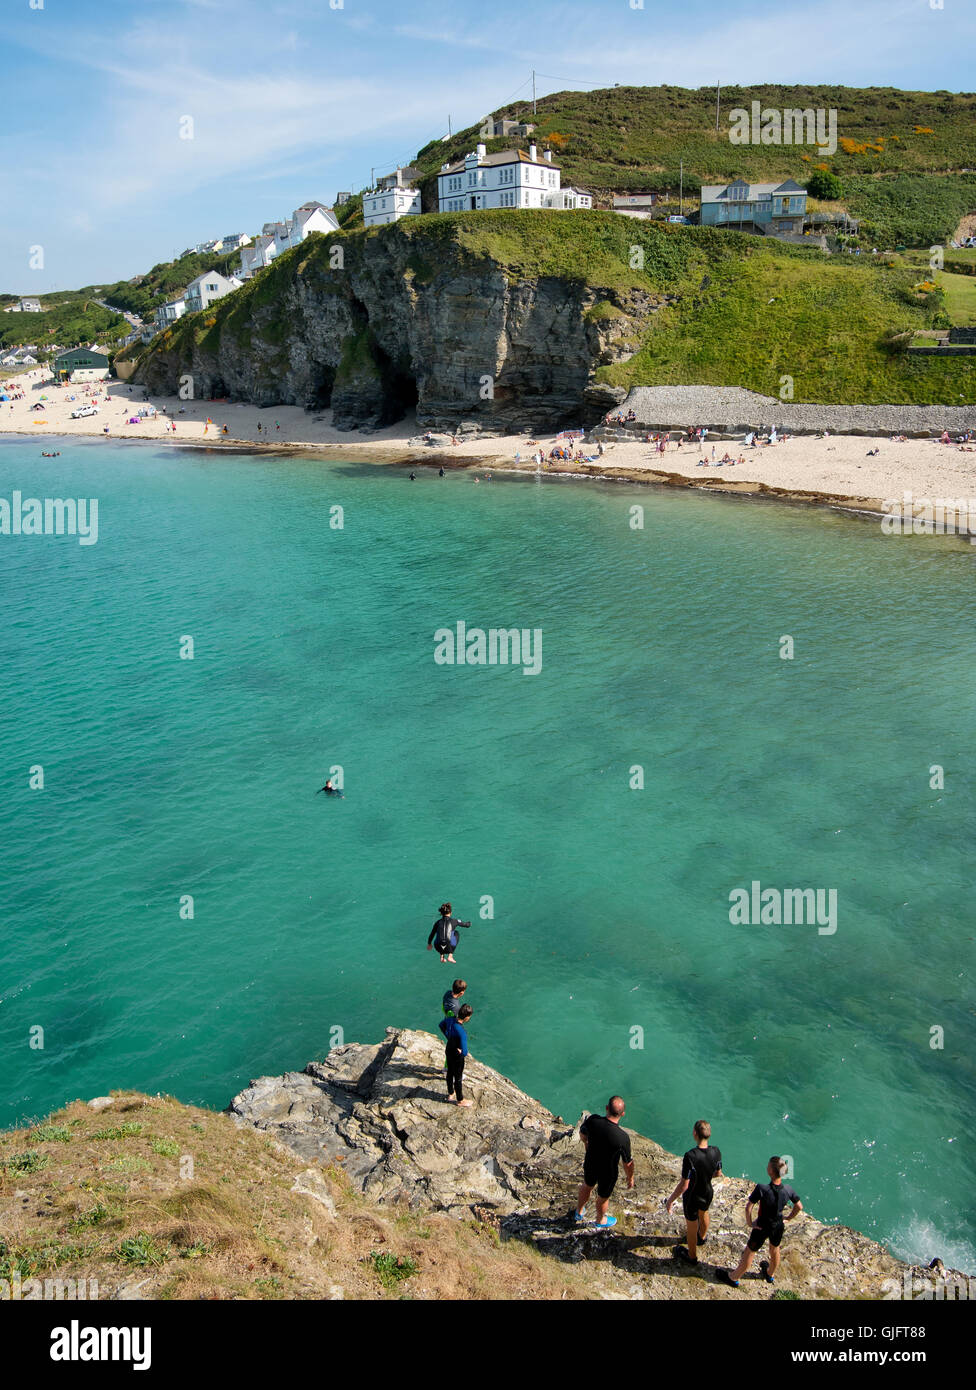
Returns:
(676, 218)
(84, 410)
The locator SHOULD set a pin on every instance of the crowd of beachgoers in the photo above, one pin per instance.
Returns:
(827, 466)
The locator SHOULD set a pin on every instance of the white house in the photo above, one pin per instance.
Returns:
(255, 257)
(206, 288)
(509, 179)
(167, 314)
(310, 217)
(393, 197)
(277, 237)
(30, 306)
(235, 241)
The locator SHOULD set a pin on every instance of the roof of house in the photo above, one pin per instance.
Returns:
(502, 157)
(88, 352)
(716, 192)
(207, 275)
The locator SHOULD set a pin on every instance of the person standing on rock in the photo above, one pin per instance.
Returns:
(445, 933)
(452, 999)
(606, 1143)
(456, 1036)
(773, 1198)
(698, 1168)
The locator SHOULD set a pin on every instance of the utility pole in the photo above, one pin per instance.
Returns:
(681, 190)
(533, 91)
(718, 103)
(449, 127)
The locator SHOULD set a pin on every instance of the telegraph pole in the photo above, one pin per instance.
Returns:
(681, 190)
(533, 91)
(718, 103)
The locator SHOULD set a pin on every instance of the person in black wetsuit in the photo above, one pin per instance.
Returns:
(330, 790)
(456, 1037)
(444, 933)
(698, 1168)
(606, 1143)
(451, 1002)
(773, 1198)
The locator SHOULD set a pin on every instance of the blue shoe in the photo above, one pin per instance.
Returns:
(605, 1225)
(578, 1217)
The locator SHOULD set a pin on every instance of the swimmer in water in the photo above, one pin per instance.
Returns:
(330, 790)
(413, 477)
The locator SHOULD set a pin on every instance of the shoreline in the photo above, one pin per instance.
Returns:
(802, 469)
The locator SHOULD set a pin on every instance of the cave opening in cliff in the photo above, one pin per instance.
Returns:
(400, 393)
(320, 392)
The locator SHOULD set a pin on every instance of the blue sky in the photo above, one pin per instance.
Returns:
(292, 99)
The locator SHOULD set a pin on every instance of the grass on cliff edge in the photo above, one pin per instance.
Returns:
(749, 311)
(100, 1196)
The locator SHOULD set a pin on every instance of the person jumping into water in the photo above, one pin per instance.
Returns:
(773, 1198)
(457, 1050)
(606, 1143)
(445, 933)
(698, 1168)
(330, 789)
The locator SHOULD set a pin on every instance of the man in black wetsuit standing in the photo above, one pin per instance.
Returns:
(773, 1198)
(698, 1168)
(606, 1143)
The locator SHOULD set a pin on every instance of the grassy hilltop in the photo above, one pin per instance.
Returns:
(633, 138)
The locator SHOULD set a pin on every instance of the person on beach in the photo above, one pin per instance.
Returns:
(606, 1144)
(456, 1036)
(773, 1198)
(445, 933)
(452, 999)
(698, 1167)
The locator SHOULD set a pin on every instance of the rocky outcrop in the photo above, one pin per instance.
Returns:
(382, 323)
(379, 1112)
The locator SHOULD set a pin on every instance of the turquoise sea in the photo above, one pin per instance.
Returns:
(661, 648)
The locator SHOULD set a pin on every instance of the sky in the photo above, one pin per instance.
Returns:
(289, 100)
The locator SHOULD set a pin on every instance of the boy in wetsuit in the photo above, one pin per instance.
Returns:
(452, 999)
(456, 1036)
(773, 1198)
(446, 933)
(698, 1168)
(606, 1143)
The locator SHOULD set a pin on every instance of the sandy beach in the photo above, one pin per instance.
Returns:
(837, 471)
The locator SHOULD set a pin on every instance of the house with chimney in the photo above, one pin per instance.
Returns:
(508, 179)
(393, 197)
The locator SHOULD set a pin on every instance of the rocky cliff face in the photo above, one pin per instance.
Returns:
(380, 1111)
(381, 323)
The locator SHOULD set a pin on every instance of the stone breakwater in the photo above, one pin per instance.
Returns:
(378, 1112)
(730, 410)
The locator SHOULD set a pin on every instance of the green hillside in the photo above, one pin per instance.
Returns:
(633, 138)
(145, 293)
(68, 320)
(745, 310)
